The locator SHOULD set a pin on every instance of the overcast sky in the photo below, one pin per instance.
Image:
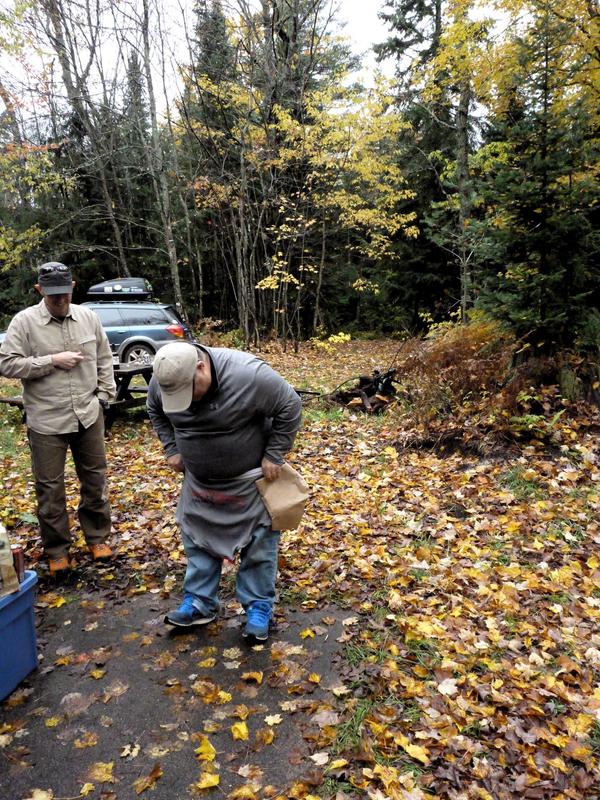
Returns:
(364, 29)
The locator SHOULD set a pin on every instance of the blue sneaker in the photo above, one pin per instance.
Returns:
(188, 615)
(257, 620)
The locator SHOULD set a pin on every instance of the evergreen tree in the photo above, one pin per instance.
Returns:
(541, 193)
(425, 281)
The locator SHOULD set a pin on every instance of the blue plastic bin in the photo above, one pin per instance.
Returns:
(18, 652)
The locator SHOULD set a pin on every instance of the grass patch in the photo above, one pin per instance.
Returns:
(424, 652)
(312, 415)
(349, 732)
(595, 738)
(409, 710)
(331, 786)
(556, 708)
(562, 598)
(570, 532)
(11, 430)
(523, 488)
(292, 596)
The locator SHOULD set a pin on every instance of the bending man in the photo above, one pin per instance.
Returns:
(225, 419)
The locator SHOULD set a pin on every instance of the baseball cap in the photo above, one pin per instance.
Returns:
(55, 278)
(174, 369)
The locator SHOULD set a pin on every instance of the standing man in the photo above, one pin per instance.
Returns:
(225, 419)
(62, 356)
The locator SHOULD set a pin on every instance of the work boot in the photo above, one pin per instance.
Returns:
(187, 615)
(59, 567)
(100, 552)
(257, 620)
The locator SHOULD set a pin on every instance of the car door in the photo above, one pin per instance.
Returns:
(115, 327)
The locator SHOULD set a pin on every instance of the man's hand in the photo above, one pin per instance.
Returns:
(67, 360)
(270, 470)
(176, 463)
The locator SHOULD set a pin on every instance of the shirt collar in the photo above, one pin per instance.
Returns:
(47, 317)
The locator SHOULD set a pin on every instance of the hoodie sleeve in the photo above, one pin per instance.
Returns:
(278, 400)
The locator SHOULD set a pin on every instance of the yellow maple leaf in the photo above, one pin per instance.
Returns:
(265, 736)
(314, 678)
(243, 793)
(417, 752)
(89, 739)
(252, 676)
(414, 751)
(579, 725)
(338, 763)
(205, 751)
(207, 781)
(577, 750)
(97, 674)
(101, 771)
(307, 633)
(52, 722)
(239, 730)
(86, 789)
(223, 697)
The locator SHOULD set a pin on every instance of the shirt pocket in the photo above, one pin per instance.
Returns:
(87, 345)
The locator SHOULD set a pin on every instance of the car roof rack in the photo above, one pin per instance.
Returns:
(121, 289)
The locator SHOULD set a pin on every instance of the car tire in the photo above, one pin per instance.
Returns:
(138, 353)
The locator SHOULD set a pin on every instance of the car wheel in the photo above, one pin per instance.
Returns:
(138, 354)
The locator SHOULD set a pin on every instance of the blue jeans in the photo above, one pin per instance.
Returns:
(255, 578)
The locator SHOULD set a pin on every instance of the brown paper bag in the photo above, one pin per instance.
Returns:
(8, 577)
(284, 498)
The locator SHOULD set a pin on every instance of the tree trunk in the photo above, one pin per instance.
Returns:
(157, 170)
(80, 100)
(464, 194)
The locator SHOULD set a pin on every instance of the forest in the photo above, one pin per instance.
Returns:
(418, 255)
(227, 153)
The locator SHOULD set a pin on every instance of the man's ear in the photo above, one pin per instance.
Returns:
(39, 289)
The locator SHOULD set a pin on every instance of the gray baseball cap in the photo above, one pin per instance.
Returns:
(55, 278)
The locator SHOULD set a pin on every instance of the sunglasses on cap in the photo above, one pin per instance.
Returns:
(49, 268)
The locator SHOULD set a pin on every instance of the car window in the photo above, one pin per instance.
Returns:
(173, 314)
(144, 316)
(109, 317)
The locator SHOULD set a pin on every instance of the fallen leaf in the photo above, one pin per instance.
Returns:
(102, 772)
(88, 739)
(239, 730)
(448, 687)
(252, 676)
(205, 751)
(207, 781)
(147, 782)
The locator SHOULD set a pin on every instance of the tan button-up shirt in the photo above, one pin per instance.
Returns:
(57, 400)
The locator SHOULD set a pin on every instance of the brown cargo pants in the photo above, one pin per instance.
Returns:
(48, 457)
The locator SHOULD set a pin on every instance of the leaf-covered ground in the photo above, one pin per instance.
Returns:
(472, 656)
